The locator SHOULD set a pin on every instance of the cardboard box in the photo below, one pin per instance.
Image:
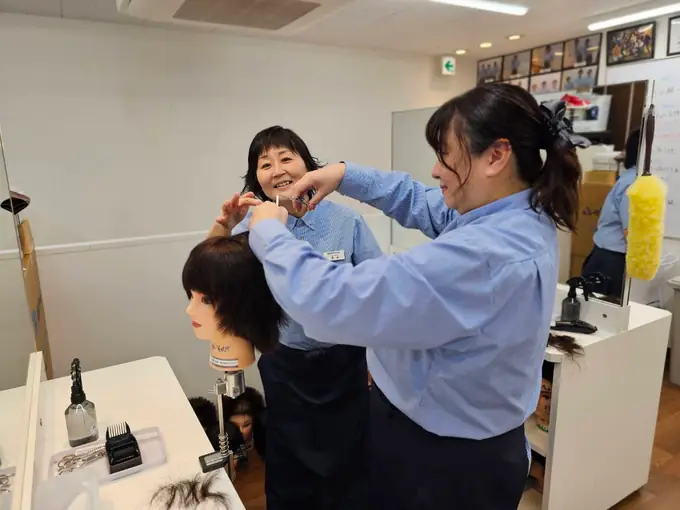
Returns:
(576, 265)
(29, 263)
(601, 176)
(591, 198)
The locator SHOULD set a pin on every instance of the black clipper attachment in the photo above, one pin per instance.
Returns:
(122, 449)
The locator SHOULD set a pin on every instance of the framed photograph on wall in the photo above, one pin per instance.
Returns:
(519, 82)
(547, 59)
(674, 36)
(517, 65)
(549, 82)
(490, 70)
(582, 52)
(581, 79)
(631, 44)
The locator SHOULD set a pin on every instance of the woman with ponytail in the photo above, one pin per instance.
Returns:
(456, 328)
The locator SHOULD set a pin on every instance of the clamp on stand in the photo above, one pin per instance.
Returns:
(231, 385)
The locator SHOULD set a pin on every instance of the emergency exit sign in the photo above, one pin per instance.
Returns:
(448, 65)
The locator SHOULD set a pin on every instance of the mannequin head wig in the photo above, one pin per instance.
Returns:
(231, 279)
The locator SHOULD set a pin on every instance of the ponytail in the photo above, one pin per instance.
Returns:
(556, 191)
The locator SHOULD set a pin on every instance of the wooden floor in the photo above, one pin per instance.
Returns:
(662, 492)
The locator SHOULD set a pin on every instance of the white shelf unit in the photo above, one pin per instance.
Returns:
(603, 411)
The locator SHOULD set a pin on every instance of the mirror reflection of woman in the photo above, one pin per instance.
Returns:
(316, 393)
(457, 327)
(608, 256)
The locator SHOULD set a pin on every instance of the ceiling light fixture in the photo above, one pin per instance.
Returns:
(487, 5)
(632, 18)
(461, 52)
(514, 37)
(485, 45)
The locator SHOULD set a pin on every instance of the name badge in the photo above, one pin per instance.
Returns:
(335, 256)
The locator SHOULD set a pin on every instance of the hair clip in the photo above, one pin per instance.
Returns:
(560, 127)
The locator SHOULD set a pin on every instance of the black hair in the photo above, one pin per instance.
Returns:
(487, 113)
(250, 402)
(185, 494)
(232, 280)
(566, 344)
(632, 149)
(274, 137)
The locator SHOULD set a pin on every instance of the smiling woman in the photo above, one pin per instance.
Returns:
(277, 158)
(317, 397)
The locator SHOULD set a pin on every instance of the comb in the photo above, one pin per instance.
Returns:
(122, 449)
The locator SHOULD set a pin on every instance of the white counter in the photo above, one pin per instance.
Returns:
(12, 417)
(144, 393)
(603, 413)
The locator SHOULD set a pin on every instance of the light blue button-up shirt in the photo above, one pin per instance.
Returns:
(614, 215)
(456, 328)
(330, 228)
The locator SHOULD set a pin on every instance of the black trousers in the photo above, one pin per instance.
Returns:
(412, 469)
(610, 264)
(317, 428)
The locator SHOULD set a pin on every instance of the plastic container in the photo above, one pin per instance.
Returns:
(656, 292)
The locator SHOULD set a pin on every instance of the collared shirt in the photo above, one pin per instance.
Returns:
(614, 215)
(456, 327)
(334, 230)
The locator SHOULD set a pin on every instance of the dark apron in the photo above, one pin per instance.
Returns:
(611, 264)
(317, 428)
(413, 469)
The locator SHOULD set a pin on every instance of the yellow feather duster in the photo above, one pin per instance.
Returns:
(647, 208)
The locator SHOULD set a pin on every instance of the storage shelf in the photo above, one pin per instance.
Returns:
(531, 500)
(538, 439)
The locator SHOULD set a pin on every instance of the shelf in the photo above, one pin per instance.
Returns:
(538, 439)
(531, 500)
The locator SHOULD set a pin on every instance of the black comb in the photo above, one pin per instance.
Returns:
(122, 449)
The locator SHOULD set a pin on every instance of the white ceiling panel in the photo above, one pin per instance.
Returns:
(414, 26)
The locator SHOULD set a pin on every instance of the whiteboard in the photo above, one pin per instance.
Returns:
(666, 147)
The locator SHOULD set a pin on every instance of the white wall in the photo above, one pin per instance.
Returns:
(120, 132)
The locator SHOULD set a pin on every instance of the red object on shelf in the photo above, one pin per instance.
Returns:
(572, 100)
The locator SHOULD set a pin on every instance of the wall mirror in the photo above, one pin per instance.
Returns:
(16, 345)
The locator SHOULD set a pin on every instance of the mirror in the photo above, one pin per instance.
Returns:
(598, 248)
(16, 345)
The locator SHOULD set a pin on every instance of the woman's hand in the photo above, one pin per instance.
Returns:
(235, 210)
(268, 211)
(324, 181)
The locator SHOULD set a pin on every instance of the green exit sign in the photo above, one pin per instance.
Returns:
(448, 66)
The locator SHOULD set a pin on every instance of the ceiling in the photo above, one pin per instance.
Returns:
(412, 26)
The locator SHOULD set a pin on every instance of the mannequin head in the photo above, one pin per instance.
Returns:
(277, 158)
(243, 411)
(230, 304)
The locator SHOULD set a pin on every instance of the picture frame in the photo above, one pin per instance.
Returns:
(517, 65)
(582, 51)
(519, 82)
(546, 83)
(547, 58)
(673, 43)
(489, 70)
(631, 44)
(580, 79)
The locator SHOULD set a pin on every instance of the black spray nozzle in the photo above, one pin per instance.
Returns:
(574, 283)
(77, 392)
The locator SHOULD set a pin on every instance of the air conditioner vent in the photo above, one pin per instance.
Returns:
(262, 14)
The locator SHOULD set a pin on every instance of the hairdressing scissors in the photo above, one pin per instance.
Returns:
(292, 199)
(5, 485)
(77, 460)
